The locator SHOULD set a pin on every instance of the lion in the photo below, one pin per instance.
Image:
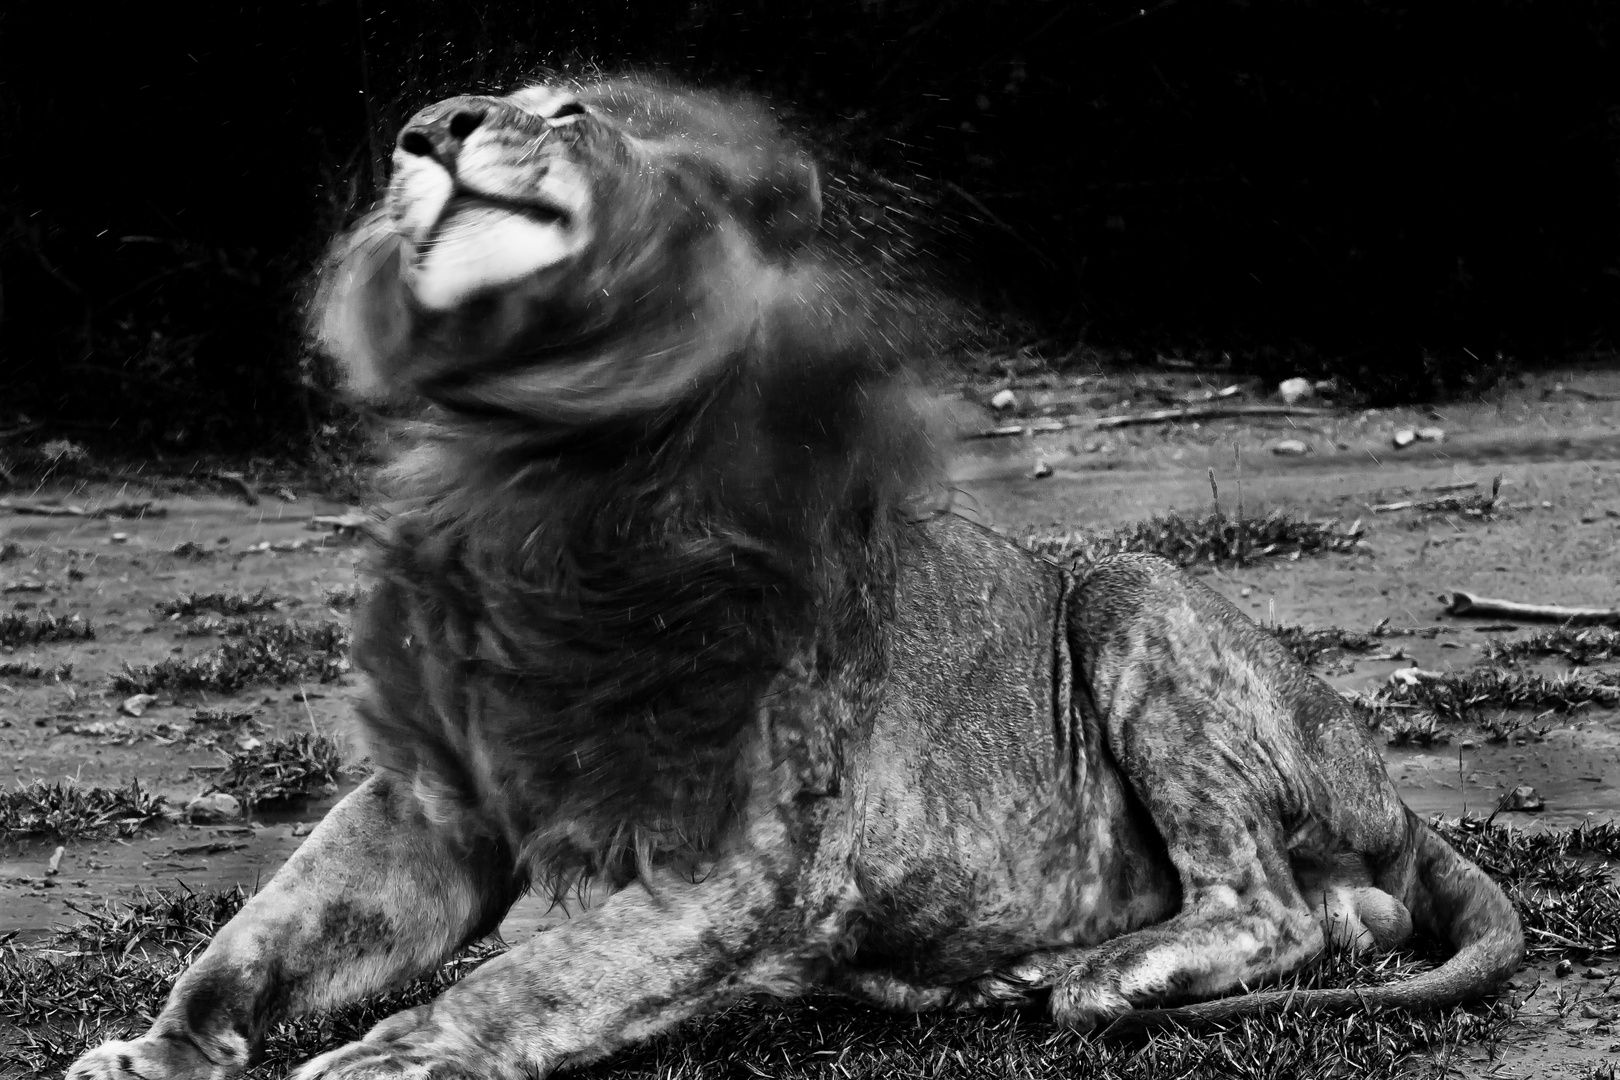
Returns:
(659, 609)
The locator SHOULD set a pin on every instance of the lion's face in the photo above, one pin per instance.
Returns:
(521, 233)
(492, 193)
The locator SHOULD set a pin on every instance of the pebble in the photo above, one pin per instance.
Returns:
(136, 704)
(1525, 797)
(216, 806)
(1290, 447)
(1404, 438)
(1293, 390)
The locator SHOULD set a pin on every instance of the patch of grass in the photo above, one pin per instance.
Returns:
(281, 771)
(22, 669)
(190, 549)
(1404, 729)
(220, 719)
(1564, 893)
(265, 651)
(18, 628)
(1311, 644)
(1213, 540)
(1579, 645)
(67, 810)
(192, 604)
(169, 919)
(826, 1037)
(344, 597)
(1458, 696)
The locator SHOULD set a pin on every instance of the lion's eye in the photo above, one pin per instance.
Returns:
(567, 109)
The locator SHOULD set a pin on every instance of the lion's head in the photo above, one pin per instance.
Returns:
(671, 444)
(531, 246)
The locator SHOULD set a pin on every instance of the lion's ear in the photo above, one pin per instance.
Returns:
(360, 315)
(773, 191)
(789, 210)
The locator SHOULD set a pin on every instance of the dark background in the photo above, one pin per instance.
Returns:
(1392, 192)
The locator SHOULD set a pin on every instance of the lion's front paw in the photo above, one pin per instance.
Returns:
(407, 1046)
(149, 1058)
(367, 1060)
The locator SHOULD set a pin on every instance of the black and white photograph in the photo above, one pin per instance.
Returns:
(864, 540)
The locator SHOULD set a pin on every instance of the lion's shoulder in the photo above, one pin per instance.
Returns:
(975, 611)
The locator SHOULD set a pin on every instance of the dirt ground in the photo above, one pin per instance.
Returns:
(1558, 455)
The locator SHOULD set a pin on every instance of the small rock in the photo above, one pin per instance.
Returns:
(1404, 438)
(1245, 591)
(1293, 390)
(1004, 400)
(1563, 968)
(1468, 744)
(119, 538)
(1290, 447)
(215, 806)
(1525, 797)
(1431, 434)
(136, 704)
(1041, 470)
(1411, 676)
(302, 828)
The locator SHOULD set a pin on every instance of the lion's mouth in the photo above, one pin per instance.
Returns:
(478, 244)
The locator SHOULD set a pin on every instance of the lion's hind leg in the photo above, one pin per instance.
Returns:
(1219, 735)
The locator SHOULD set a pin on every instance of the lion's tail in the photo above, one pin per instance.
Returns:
(1450, 899)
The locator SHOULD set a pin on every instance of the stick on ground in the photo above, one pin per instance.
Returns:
(1157, 416)
(1485, 607)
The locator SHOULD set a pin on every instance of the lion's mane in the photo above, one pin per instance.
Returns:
(675, 487)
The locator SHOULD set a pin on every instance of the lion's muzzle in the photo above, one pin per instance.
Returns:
(486, 197)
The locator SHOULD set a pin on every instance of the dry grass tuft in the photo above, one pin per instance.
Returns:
(1214, 540)
(18, 628)
(66, 810)
(1579, 645)
(193, 604)
(282, 771)
(261, 651)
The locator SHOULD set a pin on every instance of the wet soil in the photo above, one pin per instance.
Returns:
(1554, 540)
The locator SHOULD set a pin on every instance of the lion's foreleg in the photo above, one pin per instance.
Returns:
(638, 964)
(373, 897)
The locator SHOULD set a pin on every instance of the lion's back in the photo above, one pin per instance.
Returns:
(976, 647)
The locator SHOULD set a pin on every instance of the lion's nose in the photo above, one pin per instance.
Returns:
(438, 131)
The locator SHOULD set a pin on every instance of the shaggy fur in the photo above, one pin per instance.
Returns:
(623, 521)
